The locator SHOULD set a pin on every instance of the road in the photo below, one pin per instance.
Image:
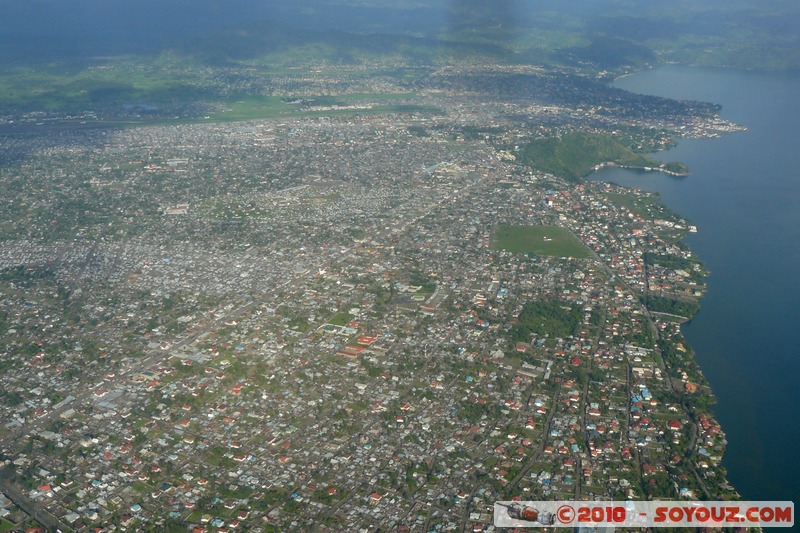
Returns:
(40, 515)
(540, 450)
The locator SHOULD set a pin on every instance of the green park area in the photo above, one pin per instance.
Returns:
(540, 240)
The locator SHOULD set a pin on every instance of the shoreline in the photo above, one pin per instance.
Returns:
(611, 164)
(692, 391)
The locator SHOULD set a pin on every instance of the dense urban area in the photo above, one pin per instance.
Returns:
(355, 302)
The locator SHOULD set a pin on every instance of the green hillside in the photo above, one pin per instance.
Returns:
(108, 54)
(574, 155)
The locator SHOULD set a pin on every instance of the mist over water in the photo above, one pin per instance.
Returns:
(744, 195)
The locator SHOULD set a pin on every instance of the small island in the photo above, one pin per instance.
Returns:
(675, 168)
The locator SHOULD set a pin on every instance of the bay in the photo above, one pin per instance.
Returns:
(743, 192)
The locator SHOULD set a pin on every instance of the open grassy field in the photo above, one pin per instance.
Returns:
(124, 81)
(274, 107)
(341, 318)
(540, 240)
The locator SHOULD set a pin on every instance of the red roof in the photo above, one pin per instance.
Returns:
(366, 340)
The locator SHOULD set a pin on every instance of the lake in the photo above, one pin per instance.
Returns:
(743, 192)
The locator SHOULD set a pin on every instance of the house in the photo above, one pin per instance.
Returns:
(367, 340)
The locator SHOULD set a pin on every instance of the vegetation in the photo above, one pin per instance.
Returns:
(255, 107)
(550, 318)
(197, 54)
(676, 167)
(575, 155)
(676, 263)
(659, 304)
(419, 279)
(341, 318)
(635, 203)
(540, 240)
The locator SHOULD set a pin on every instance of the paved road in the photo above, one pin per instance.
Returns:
(40, 515)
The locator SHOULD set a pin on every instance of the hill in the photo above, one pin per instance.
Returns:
(574, 155)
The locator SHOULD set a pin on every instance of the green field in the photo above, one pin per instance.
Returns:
(197, 66)
(275, 106)
(341, 318)
(540, 240)
(125, 82)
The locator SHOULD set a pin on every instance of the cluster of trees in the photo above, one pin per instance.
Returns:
(575, 154)
(550, 318)
(11, 398)
(659, 304)
(668, 261)
(473, 411)
(676, 167)
(418, 279)
(674, 262)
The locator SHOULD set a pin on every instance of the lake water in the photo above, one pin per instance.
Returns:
(743, 192)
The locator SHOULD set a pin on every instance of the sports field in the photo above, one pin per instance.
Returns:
(540, 240)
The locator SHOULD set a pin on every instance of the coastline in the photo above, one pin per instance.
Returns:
(662, 169)
(686, 380)
(742, 338)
